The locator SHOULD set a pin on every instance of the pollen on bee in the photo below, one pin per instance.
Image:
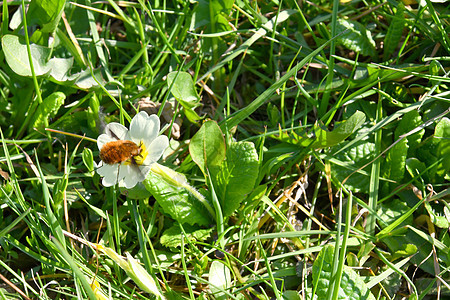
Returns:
(119, 151)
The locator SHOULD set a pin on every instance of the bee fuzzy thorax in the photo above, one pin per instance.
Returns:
(119, 151)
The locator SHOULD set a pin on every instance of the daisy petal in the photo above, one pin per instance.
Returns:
(116, 131)
(133, 177)
(156, 149)
(103, 139)
(110, 174)
(124, 171)
(105, 169)
(107, 183)
(144, 128)
(145, 169)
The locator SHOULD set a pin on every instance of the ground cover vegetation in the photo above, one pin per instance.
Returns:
(224, 149)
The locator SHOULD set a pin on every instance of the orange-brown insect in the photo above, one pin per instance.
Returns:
(119, 151)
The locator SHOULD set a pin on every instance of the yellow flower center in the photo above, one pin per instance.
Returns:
(140, 158)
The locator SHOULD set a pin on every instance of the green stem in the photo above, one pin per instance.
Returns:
(326, 95)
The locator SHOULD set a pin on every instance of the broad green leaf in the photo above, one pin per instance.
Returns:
(391, 211)
(16, 55)
(137, 192)
(395, 162)
(325, 138)
(426, 154)
(183, 89)
(322, 137)
(408, 122)
(206, 12)
(16, 20)
(47, 109)
(219, 279)
(352, 286)
(273, 113)
(436, 151)
(395, 32)
(436, 218)
(236, 176)
(134, 270)
(346, 162)
(84, 79)
(408, 250)
(214, 17)
(207, 146)
(357, 38)
(446, 212)
(176, 201)
(435, 68)
(45, 13)
(398, 241)
(392, 283)
(172, 237)
(352, 260)
(294, 138)
(291, 295)
(442, 139)
(416, 167)
(60, 68)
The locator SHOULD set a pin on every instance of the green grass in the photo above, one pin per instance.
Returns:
(309, 150)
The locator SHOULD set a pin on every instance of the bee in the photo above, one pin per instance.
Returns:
(117, 152)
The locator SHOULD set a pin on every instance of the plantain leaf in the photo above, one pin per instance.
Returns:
(46, 13)
(325, 138)
(16, 55)
(395, 164)
(236, 176)
(219, 279)
(172, 237)
(346, 162)
(134, 270)
(442, 139)
(47, 109)
(207, 146)
(357, 38)
(395, 31)
(183, 89)
(176, 202)
(410, 121)
(351, 286)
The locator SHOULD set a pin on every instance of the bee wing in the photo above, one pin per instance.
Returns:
(117, 131)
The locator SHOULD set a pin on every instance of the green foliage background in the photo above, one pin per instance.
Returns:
(309, 157)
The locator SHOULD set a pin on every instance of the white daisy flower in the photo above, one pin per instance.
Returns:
(127, 155)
